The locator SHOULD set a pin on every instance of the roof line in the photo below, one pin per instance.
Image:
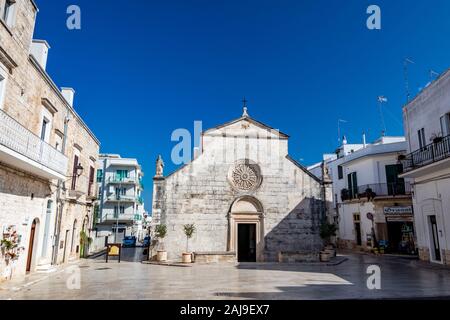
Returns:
(248, 118)
(303, 168)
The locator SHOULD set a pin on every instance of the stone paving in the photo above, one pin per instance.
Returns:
(400, 279)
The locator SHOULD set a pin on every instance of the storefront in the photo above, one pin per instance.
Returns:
(400, 230)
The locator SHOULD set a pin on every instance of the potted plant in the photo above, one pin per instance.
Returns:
(401, 157)
(160, 233)
(85, 242)
(327, 230)
(189, 230)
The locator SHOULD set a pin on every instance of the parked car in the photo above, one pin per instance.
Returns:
(146, 241)
(129, 241)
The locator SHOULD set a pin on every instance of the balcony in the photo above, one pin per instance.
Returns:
(117, 198)
(378, 190)
(123, 180)
(22, 149)
(435, 152)
(114, 218)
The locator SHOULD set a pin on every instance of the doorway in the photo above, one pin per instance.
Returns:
(246, 242)
(31, 245)
(436, 248)
(357, 226)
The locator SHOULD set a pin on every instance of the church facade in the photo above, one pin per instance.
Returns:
(246, 196)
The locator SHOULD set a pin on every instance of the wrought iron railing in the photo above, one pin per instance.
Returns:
(118, 179)
(371, 191)
(21, 140)
(434, 152)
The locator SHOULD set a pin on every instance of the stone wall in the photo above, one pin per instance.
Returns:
(201, 193)
(27, 87)
(24, 198)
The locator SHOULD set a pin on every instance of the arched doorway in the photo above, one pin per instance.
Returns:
(73, 245)
(246, 229)
(32, 245)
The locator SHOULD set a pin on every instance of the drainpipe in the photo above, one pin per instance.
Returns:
(59, 201)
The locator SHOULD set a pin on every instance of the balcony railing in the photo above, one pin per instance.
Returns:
(370, 191)
(113, 217)
(19, 139)
(117, 198)
(125, 180)
(434, 152)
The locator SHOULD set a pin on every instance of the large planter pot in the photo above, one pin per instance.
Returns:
(325, 256)
(331, 252)
(161, 256)
(186, 257)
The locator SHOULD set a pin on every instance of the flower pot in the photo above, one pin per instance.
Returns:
(186, 258)
(331, 252)
(324, 256)
(161, 256)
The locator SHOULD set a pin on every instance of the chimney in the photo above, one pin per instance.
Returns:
(364, 140)
(68, 94)
(39, 50)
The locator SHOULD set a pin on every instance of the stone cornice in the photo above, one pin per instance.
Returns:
(6, 59)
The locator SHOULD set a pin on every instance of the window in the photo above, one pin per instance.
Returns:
(2, 87)
(121, 174)
(44, 129)
(99, 175)
(121, 192)
(118, 210)
(340, 173)
(421, 135)
(445, 125)
(91, 180)
(8, 12)
(74, 173)
(352, 185)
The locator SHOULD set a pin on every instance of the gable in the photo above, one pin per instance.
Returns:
(246, 127)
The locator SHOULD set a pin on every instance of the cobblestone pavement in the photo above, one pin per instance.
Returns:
(400, 279)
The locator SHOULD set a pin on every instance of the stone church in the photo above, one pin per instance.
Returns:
(247, 197)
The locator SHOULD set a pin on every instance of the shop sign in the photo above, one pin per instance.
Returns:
(398, 210)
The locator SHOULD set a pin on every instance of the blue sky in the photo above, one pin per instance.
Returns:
(142, 69)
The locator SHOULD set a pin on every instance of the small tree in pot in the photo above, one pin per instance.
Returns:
(189, 230)
(160, 234)
(328, 230)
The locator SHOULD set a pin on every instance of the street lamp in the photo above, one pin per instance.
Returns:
(79, 170)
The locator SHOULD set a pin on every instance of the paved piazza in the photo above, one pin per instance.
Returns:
(401, 279)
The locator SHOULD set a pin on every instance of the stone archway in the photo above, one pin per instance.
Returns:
(247, 213)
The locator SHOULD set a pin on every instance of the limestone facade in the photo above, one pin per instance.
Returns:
(243, 176)
(40, 136)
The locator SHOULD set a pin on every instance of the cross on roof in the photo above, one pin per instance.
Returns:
(244, 103)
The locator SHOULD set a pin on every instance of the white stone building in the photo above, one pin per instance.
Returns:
(247, 197)
(371, 202)
(47, 154)
(427, 128)
(120, 205)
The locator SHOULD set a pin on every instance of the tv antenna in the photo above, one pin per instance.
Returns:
(339, 128)
(381, 100)
(406, 63)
